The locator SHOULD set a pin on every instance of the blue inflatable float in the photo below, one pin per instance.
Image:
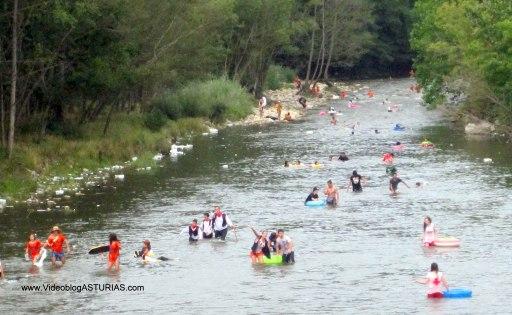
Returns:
(457, 293)
(316, 203)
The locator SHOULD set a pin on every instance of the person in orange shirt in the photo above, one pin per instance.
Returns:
(279, 108)
(34, 248)
(113, 252)
(56, 241)
(370, 93)
(343, 94)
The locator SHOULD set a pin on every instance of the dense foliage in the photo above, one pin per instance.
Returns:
(67, 63)
(464, 48)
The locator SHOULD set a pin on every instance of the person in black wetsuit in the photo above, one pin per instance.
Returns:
(356, 182)
(313, 196)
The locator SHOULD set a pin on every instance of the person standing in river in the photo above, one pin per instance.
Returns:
(435, 281)
(56, 241)
(284, 246)
(332, 193)
(114, 252)
(355, 182)
(221, 222)
(206, 226)
(393, 184)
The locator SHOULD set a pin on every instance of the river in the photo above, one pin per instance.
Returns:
(361, 257)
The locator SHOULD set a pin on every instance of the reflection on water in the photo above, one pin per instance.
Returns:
(360, 257)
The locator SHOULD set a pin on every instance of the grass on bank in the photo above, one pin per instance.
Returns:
(36, 160)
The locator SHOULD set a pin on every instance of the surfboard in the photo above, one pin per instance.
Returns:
(99, 249)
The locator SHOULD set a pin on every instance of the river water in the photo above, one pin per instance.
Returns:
(361, 257)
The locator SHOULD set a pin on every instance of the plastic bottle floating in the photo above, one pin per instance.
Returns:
(427, 144)
(398, 127)
(458, 293)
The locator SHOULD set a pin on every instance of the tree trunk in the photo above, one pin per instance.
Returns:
(321, 53)
(107, 122)
(331, 44)
(2, 114)
(14, 76)
(311, 51)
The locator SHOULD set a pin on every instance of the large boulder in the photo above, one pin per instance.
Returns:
(479, 128)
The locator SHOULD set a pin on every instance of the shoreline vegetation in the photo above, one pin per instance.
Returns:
(59, 167)
(86, 84)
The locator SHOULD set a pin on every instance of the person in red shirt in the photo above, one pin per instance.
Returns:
(113, 252)
(34, 248)
(56, 241)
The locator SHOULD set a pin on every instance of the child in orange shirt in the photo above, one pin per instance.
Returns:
(113, 252)
(33, 248)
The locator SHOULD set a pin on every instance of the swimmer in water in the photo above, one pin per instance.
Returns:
(286, 164)
(332, 193)
(376, 131)
(342, 157)
(333, 120)
(113, 252)
(435, 281)
(429, 232)
(393, 184)
(260, 248)
(313, 196)
(419, 185)
(2, 272)
(145, 251)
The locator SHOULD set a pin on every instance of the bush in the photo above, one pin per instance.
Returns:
(155, 120)
(216, 99)
(277, 76)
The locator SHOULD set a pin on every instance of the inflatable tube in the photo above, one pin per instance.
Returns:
(321, 113)
(316, 203)
(427, 144)
(273, 260)
(447, 242)
(353, 106)
(332, 112)
(398, 128)
(398, 147)
(99, 249)
(457, 293)
(316, 166)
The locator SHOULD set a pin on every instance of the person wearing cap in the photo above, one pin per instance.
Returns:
(56, 241)
(2, 272)
(313, 196)
(221, 222)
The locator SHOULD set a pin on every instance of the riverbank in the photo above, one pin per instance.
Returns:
(61, 166)
(47, 169)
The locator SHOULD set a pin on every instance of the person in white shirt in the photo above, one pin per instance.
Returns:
(206, 226)
(261, 105)
(284, 246)
(221, 222)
